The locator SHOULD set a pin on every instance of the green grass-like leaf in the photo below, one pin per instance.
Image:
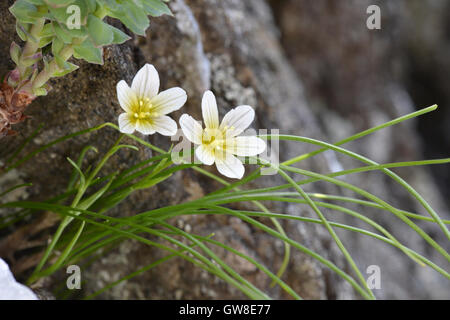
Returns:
(86, 230)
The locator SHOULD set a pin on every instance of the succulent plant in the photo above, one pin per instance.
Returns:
(56, 30)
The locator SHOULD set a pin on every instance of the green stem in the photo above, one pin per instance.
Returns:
(32, 44)
(375, 199)
(45, 75)
(388, 172)
(257, 173)
(329, 228)
(287, 247)
(66, 221)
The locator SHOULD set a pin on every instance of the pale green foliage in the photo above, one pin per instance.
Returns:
(47, 27)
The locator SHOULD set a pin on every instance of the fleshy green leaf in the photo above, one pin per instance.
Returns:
(70, 67)
(133, 17)
(156, 8)
(15, 52)
(43, 42)
(47, 31)
(109, 4)
(119, 36)
(22, 9)
(22, 30)
(87, 51)
(91, 5)
(46, 35)
(30, 60)
(57, 46)
(61, 63)
(40, 92)
(100, 32)
(62, 13)
(36, 2)
(58, 3)
(62, 34)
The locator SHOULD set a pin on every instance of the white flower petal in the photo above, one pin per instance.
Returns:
(237, 120)
(125, 124)
(127, 97)
(205, 155)
(246, 146)
(230, 166)
(144, 126)
(209, 110)
(146, 82)
(192, 129)
(165, 125)
(10, 288)
(169, 101)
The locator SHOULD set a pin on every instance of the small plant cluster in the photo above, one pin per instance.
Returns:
(86, 231)
(54, 31)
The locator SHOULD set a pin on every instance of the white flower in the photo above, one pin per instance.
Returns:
(146, 110)
(220, 143)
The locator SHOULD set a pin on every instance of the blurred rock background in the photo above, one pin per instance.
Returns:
(309, 68)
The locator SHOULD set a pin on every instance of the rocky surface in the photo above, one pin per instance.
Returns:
(310, 68)
(355, 78)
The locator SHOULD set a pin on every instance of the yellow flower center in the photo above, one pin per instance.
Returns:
(142, 115)
(142, 109)
(213, 138)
